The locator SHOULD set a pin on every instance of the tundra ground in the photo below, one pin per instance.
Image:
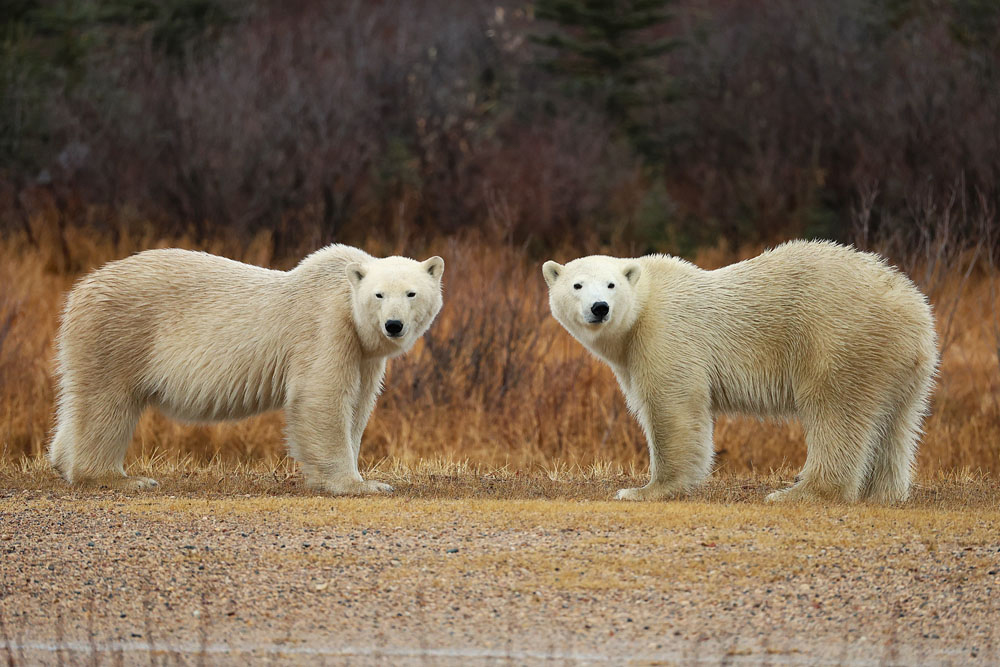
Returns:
(479, 566)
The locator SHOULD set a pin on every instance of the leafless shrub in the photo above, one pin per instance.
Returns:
(320, 120)
(556, 177)
(939, 242)
(330, 120)
(988, 227)
(787, 106)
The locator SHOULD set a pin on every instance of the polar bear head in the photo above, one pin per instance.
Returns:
(394, 300)
(593, 297)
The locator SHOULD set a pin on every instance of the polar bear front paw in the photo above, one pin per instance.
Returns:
(143, 483)
(777, 496)
(371, 486)
(628, 494)
(645, 493)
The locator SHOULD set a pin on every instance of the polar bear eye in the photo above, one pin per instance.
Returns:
(378, 295)
(578, 286)
(611, 285)
(411, 294)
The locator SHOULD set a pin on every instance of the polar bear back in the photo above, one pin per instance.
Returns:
(201, 336)
(770, 333)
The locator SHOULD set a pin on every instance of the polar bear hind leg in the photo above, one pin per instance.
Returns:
(840, 451)
(895, 456)
(92, 436)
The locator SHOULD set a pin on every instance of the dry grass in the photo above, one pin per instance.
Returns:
(496, 383)
(445, 479)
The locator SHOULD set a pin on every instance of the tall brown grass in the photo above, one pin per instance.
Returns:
(495, 382)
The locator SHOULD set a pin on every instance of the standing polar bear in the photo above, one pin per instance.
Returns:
(204, 338)
(815, 330)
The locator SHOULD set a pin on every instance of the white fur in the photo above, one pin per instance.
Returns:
(812, 330)
(204, 338)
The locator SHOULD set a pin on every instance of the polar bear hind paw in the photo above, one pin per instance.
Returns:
(801, 492)
(778, 496)
(129, 483)
(357, 488)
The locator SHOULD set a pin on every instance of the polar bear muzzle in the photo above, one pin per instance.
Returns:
(599, 310)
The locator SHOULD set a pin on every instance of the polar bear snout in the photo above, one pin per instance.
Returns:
(393, 328)
(599, 310)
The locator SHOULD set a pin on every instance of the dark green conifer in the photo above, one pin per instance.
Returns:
(609, 52)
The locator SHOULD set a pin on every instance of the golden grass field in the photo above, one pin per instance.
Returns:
(496, 382)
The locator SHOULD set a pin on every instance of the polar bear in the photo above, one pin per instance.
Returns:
(812, 330)
(205, 338)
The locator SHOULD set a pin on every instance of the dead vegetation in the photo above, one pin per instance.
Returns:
(495, 383)
(226, 482)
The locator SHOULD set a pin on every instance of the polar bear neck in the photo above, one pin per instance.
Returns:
(323, 272)
(668, 288)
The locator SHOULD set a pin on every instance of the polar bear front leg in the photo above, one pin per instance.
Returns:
(320, 426)
(679, 436)
(372, 374)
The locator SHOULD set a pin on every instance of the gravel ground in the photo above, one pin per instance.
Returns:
(186, 577)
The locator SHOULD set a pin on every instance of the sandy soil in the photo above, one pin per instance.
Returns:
(189, 574)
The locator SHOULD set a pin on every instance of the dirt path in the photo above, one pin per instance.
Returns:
(178, 576)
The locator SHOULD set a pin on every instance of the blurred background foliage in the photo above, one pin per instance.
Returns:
(496, 135)
(640, 124)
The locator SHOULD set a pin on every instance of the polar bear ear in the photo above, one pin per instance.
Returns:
(355, 273)
(632, 272)
(551, 271)
(434, 266)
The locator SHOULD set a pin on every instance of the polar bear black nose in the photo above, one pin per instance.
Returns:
(600, 309)
(393, 327)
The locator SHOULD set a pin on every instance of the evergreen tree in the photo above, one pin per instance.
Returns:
(609, 52)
